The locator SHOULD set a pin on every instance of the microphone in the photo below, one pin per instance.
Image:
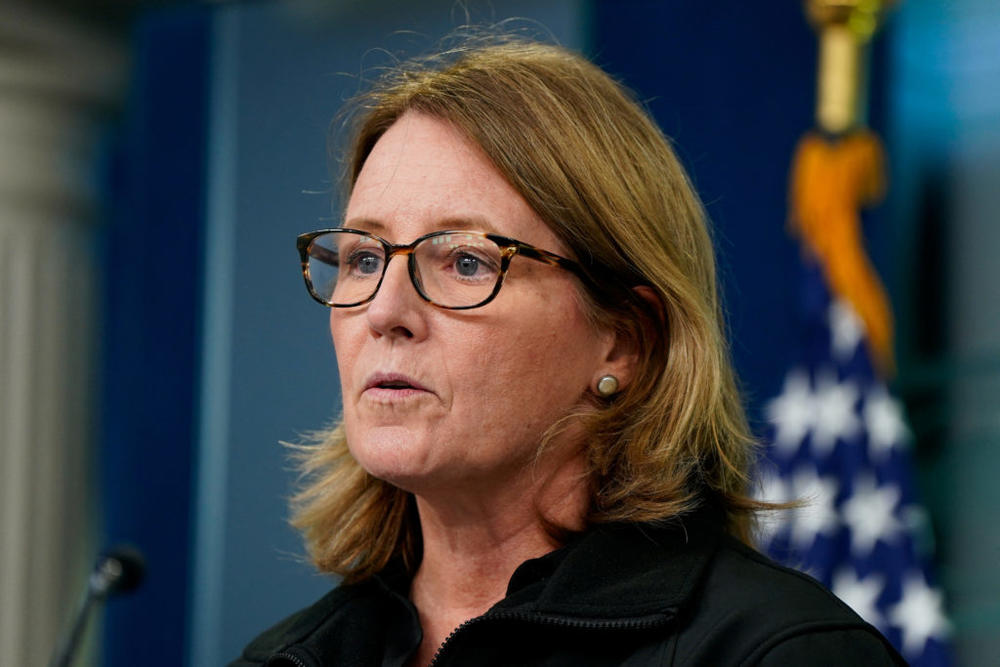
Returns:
(118, 570)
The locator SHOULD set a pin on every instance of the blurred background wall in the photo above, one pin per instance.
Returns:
(61, 81)
(156, 342)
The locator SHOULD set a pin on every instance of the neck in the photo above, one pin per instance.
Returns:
(472, 545)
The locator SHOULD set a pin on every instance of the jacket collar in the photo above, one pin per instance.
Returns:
(620, 570)
(610, 572)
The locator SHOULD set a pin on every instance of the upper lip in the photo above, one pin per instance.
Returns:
(382, 378)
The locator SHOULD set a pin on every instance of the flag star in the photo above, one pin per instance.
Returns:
(835, 414)
(883, 417)
(918, 614)
(771, 488)
(792, 413)
(860, 594)
(869, 513)
(846, 330)
(819, 514)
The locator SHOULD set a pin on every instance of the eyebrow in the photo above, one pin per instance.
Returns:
(471, 222)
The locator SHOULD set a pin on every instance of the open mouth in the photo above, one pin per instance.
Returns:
(395, 384)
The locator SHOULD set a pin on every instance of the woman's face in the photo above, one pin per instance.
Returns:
(446, 400)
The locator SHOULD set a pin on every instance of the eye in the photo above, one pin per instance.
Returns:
(467, 265)
(364, 262)
(458, 260)
(471, 263)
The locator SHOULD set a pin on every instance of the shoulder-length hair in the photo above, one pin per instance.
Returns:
(601, 175)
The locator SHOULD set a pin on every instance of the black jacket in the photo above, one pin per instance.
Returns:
(681, 594)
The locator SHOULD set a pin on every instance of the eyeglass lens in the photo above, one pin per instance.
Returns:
(454, 270)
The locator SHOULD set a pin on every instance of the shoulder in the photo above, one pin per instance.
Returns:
(750, 610)
(301, 624)
(753, 581)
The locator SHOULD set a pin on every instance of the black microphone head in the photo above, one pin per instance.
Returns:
(119, 569)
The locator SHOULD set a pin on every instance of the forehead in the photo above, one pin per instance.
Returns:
(424, 175)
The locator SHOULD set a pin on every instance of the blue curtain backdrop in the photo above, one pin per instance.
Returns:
(153, 254)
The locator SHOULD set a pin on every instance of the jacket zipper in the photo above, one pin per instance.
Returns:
(291, 657)
(622, 624)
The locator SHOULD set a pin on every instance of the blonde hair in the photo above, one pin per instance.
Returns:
(598, 171)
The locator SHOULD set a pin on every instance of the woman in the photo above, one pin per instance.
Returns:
(543, 456)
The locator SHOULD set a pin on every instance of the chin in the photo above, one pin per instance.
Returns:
(392, 454)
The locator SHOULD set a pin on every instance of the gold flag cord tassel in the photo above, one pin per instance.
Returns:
(836, 173)
(831, 181)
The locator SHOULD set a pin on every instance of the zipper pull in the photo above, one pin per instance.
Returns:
(292, 658)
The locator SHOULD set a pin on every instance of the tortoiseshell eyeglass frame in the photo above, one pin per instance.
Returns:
(508, 249)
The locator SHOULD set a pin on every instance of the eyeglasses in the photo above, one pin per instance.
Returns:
(457, 270)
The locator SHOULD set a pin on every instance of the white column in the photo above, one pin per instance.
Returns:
(56, 81)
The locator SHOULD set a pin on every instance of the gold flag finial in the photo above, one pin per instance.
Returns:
(844, 27)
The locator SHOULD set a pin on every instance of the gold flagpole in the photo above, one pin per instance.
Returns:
(839, 168)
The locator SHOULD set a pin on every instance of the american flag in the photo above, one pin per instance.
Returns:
(838, 440)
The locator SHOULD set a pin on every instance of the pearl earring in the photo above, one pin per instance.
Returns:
(607, 385)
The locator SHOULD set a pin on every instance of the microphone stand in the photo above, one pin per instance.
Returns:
(117, 571)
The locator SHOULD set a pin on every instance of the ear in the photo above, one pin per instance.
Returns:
(623, 345)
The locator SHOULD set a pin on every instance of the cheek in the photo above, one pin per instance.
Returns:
(345, 345)
(543, 366)
(338, 325)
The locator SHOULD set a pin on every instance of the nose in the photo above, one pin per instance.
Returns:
(397, 310)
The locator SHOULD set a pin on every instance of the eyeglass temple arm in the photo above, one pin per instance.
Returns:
(549, 258)
(552, 259)
(324, 255)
